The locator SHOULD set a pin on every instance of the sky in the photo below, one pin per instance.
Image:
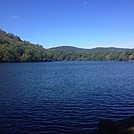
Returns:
(79, 23)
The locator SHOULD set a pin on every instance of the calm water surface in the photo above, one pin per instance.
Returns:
(64, 97)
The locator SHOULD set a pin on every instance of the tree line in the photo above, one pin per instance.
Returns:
(13, 49)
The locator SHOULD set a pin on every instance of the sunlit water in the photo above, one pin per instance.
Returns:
(64, 97)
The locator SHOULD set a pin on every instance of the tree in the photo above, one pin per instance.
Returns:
(131, 57)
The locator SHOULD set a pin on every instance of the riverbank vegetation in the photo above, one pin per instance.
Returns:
(13, 49)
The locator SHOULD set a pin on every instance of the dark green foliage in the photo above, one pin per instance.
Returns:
(97, 54)
(13, 49)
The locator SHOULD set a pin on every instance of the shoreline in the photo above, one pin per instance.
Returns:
(125, 126)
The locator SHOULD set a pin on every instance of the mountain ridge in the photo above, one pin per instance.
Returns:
(13, 49)
(87, 49)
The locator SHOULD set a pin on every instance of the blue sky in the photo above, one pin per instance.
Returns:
(79, 23)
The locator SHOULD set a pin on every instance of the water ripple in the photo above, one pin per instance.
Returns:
(64, 97)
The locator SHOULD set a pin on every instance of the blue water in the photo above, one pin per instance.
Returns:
(64, 97)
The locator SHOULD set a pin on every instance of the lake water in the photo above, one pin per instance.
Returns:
(64, 97)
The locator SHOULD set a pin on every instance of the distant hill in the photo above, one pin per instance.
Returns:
(109, 49)
(95, 54)
(70, 48)
(13, 49)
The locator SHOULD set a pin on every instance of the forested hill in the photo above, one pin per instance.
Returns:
(67, 53)
(13, 49)
(75, 49)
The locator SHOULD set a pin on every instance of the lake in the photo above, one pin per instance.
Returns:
(64, 97)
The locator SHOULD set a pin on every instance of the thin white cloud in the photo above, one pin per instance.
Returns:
(15, 17)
